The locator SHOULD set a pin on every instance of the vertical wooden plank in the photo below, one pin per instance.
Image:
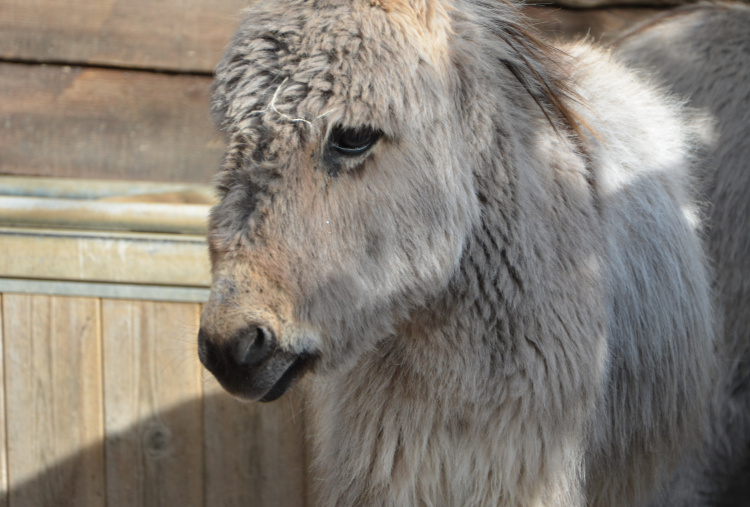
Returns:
(153, 412)
(3, 440)
(54, 401)
(254, 452)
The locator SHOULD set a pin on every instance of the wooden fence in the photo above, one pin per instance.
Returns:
(105, 404)
(104, 401)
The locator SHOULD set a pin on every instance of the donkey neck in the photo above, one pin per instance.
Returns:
(486, 360)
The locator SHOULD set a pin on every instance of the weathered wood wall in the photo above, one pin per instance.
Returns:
(60, 120)
(177, 35)
(122, 92)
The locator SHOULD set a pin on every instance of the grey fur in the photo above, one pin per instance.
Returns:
(702, 53)
(507, 297)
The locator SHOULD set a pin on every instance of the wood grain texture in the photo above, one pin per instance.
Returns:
(103, 215)
(103, 256)
(111, 124)
(153, 412)
(134, 291)
(254, 451)
(3, 448)
(106, 190)
(53, 387)
(184, 35)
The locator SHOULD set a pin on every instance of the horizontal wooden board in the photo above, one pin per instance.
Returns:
(103, 215)
(97, 256)
(104, 290)
(123, 191)
(184, 35)
(190, 35)
(111, 124)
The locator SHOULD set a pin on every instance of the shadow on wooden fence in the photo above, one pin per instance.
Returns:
(254, 458)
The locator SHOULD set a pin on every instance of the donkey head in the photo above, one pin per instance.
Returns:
(346, 198)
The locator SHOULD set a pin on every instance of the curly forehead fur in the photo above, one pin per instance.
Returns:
(319, 54)
(317, 57)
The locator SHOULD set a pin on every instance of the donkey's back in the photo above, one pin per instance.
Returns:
(702, 53)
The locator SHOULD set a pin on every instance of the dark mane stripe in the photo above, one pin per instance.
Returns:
(540, 70)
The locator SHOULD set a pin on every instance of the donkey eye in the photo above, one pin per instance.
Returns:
(351, 142)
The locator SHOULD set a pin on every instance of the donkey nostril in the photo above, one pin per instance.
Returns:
(253, 346)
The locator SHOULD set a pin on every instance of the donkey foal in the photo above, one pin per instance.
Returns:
(485, 250)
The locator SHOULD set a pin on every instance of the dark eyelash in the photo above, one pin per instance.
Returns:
(353, 141)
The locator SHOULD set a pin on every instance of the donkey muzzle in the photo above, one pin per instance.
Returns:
(250, 364)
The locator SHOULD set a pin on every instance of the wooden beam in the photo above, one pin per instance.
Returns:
(111, 124)
(104, 290)
(98, 256)
(66, 188)
(103, 215)
(183, 35)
